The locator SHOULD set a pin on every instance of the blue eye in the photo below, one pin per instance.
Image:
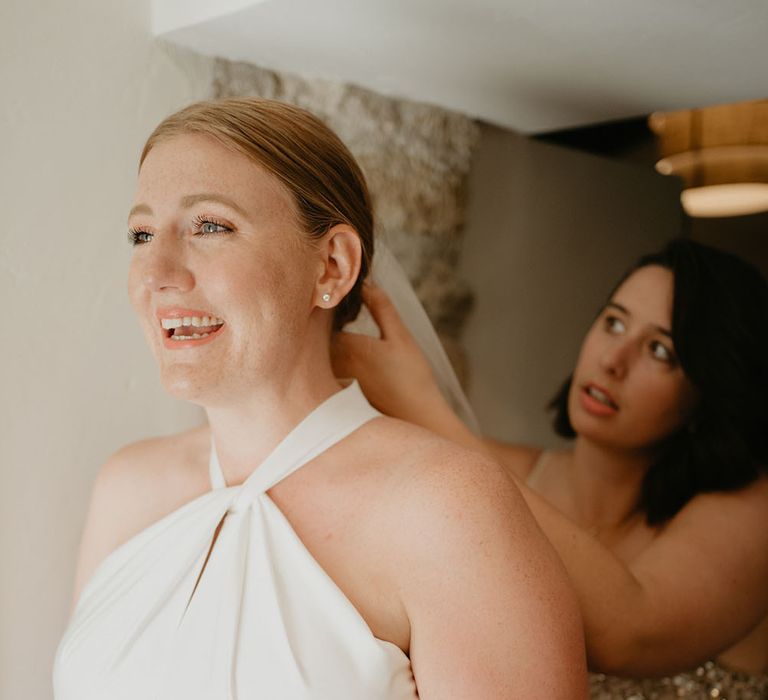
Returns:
(207, 226)
(137, 237)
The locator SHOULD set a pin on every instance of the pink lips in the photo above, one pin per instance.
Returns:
(594, 406)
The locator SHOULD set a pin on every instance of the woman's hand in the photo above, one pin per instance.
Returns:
(392, 371)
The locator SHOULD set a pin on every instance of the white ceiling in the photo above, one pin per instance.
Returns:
(530, 65)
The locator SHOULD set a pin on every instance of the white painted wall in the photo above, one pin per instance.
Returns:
(82, 83)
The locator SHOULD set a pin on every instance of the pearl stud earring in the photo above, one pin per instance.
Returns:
(326, 297)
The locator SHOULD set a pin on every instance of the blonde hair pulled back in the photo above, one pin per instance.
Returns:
(292, 144)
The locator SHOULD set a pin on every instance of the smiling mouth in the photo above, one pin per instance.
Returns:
(190, 327)
(600, 396)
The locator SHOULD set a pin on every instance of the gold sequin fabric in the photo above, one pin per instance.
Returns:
(704, 683)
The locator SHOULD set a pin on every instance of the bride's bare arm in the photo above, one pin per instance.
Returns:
(491, 611)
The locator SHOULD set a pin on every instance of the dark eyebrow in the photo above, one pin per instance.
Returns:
(191, 199)
(624, 310)
(618, 306)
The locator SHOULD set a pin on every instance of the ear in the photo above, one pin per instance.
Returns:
(340, 258)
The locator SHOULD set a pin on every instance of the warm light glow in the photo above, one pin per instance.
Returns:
(726, 200)
(665, 167)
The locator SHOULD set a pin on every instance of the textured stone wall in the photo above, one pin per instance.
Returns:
(416, 159)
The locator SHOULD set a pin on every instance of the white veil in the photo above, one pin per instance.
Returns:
(390, 276)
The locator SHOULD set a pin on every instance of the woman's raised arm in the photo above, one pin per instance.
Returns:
(697, 589)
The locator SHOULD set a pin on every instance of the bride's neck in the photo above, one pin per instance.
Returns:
(252, 425)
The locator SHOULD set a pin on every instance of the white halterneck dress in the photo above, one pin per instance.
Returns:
(263, 619)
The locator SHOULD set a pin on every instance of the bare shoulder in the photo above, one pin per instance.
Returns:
(725, 531)
(490, 608)
(138, 485)
(518, 459)
(730, 524)
(448, 491)
(428, 476)
(733, 510)
(157, 469)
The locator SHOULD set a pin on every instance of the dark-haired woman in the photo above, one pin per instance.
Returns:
(659, 510)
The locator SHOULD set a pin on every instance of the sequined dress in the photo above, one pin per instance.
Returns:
(712, 680)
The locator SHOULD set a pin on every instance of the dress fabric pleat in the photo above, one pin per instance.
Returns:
(221, 600)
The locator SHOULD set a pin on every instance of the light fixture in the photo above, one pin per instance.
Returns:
(720, 153)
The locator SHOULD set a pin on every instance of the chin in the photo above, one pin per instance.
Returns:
(614, 439)
(187, 385)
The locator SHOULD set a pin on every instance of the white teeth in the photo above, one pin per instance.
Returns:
(190, 321)
(600, 396)
(194, 336)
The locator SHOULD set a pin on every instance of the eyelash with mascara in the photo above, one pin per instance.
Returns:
(200, 220)
(135, 235)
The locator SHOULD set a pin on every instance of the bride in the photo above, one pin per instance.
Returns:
(299, 545)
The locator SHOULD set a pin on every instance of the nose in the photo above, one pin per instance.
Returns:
(164, 267)
(616, 358)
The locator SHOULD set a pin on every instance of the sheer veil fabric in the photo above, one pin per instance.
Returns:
(388, 274)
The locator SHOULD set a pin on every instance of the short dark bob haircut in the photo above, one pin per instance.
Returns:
(720, 333)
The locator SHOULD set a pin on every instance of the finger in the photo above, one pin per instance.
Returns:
(349, 346)
(384, 312)
(349, 352)
(342, 359)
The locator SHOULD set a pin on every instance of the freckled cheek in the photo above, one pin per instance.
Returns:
(258, 302)
(246, 288)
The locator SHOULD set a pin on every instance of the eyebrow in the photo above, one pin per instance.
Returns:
(191, 199)
(140, 209)
(623, 309)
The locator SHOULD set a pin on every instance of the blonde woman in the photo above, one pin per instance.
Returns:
(299, 545)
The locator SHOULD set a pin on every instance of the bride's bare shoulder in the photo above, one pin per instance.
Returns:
(423, 465)
(138, 485)
(156, 468)
(166, 452)
(453, 527)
